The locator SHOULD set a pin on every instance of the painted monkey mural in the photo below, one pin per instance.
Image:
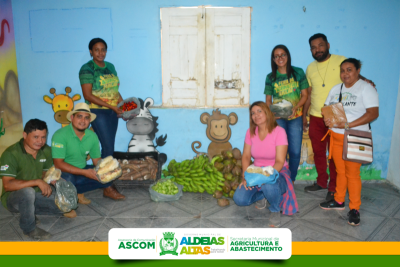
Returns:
(144, 129)
(218, 131)
(61, 104)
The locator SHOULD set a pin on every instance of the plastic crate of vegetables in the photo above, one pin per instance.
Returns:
(165, 190)
(130, 107)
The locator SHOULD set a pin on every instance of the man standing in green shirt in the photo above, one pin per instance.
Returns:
(70, 146)
(23, 166)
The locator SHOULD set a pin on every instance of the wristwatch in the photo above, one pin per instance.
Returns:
(346, 126)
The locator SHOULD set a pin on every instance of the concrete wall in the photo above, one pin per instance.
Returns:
(52, 39)
(394, 159)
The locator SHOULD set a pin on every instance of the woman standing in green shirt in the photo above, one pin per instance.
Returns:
(289, 83)
(100, 83)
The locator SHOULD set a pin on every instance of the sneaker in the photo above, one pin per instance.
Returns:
(274, 219)
(261, 204)
(331, 205)
(330, 196)
(314, 187)
(354, 217)
(38, 234)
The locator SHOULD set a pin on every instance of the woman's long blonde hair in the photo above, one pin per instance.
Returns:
(271, 122)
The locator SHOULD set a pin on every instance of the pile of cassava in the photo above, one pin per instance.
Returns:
(139, 169)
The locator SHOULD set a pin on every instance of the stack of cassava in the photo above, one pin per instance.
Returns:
(139, 169)
(218, 177)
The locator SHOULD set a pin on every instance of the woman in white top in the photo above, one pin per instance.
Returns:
(361, 105)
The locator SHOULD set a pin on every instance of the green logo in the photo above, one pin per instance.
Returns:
(168, 244)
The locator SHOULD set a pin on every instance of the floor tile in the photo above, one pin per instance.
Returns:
(172, 222)
(389, 230)
(170, 209)
(303, 230)
(340, 225)
(145, 210)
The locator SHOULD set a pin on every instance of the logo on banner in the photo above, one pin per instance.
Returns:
(168, 244)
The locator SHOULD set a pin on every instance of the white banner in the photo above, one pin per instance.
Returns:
(199, 243)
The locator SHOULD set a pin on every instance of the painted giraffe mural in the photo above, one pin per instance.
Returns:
(61, 104)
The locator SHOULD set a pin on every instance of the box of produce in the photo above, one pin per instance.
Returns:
(165, 190)
(138, 168)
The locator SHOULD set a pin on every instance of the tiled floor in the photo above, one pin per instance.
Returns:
(380, 216)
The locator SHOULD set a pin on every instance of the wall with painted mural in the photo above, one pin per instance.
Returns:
(54, 36)
(10, 105)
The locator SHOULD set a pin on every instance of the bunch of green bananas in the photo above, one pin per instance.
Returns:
(196, 175)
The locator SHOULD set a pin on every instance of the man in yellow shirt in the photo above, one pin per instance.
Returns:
(322, 74)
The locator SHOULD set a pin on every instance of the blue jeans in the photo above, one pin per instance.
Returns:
(294, 131)
(272, 192)
(82, 183)
(105, 126)
(27, 202)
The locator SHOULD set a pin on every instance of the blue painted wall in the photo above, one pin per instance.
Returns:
(52, 38)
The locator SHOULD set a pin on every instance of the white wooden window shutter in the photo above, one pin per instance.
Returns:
(201, 47)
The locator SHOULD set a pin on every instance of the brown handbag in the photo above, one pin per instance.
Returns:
(358, 146)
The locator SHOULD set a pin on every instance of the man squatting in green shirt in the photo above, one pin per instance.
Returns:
(23, 166)
(70, 146)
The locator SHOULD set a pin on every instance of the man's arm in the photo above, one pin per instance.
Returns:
(11, 184)
(306, 108)
(368, 81)
(65, 167)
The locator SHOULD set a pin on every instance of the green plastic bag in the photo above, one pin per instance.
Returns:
(66, 197)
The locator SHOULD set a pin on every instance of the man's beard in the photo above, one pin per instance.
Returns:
(322, 57)
(81, 130)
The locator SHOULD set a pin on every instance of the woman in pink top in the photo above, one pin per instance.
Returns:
(267, 143)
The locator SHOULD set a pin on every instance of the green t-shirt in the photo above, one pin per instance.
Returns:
(15, 162)
(105, 82)
(290, 90)
(66, 145)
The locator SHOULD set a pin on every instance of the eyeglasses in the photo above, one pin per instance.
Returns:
(280, 56)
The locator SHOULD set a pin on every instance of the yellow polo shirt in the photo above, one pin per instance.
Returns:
(319, 73)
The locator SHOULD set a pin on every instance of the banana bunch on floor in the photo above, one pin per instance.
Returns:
(200, 175)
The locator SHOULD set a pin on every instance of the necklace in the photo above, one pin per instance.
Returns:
(323, 80)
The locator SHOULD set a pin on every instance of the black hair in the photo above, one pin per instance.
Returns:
(289, 70)
(316, 36)
(35, 124)
(355, 62)
(95, 41)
